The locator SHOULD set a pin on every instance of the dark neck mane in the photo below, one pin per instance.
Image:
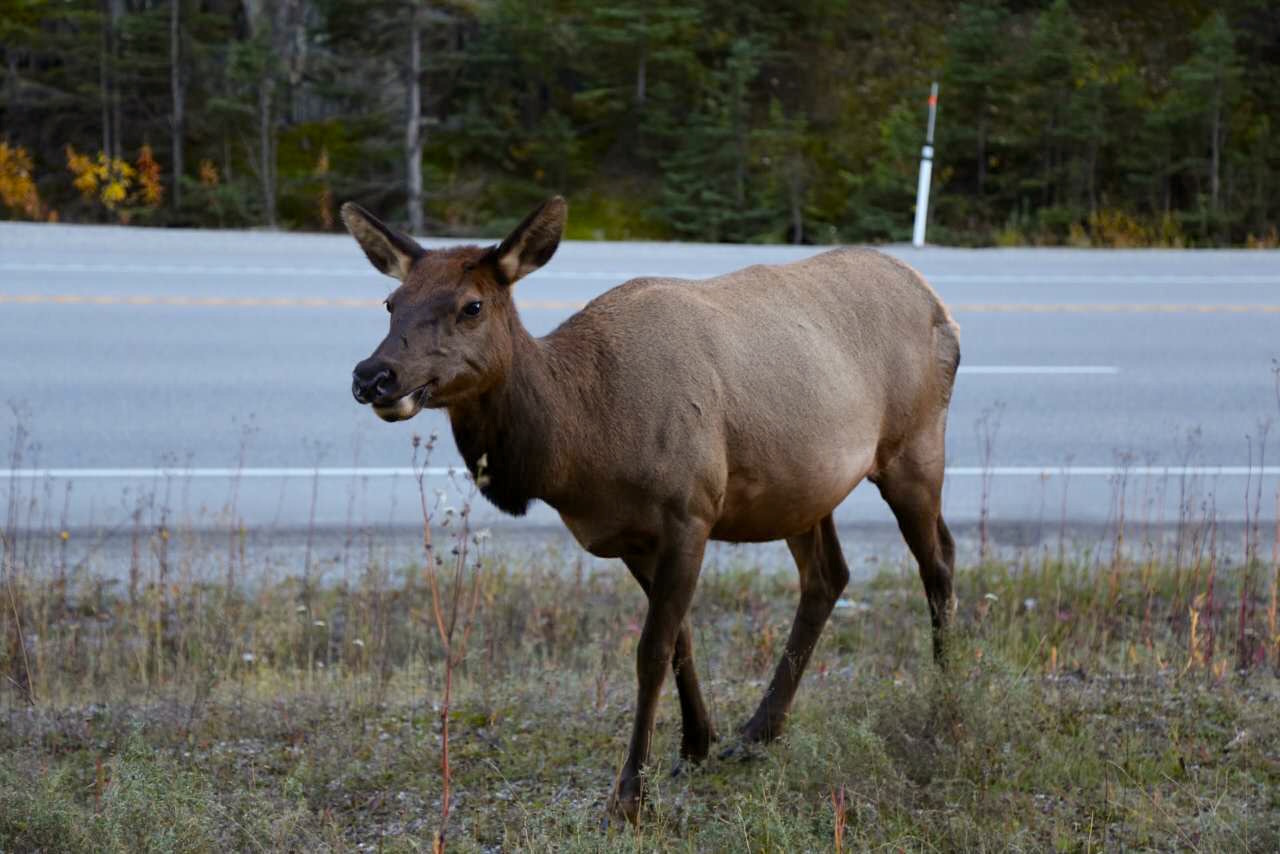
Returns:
(513, 427)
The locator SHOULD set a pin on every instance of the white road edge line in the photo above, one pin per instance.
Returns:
(1039, 369)
(442, 471)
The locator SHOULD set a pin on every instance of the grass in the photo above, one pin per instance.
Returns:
(1085, 708)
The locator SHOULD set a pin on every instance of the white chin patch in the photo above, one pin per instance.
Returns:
(403, 409)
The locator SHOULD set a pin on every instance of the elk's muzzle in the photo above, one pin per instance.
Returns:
(372, 381)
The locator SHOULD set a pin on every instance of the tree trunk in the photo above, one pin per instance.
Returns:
(1259, 192)
(117, 122)
(413, 124)
(267, 25)
(11, 85)
(641, 76)
(740, 145)
(1214, 147)
(104, 76)
(1092, 178)
(175, 81)
(796, 187)
(266, 144)
(982, 151)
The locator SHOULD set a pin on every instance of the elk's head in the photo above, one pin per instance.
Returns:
(452, 317)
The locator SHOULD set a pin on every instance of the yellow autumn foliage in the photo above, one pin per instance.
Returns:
(208, 174)
(17, 186)
(81, 165)
(114, 181)
(152, 190)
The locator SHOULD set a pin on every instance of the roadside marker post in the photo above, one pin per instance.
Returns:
(926, 172)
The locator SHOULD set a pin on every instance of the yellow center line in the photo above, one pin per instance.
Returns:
(574, 305)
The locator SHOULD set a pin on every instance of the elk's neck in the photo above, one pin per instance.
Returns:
(519, 427)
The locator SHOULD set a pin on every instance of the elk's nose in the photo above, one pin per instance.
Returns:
(371, 382)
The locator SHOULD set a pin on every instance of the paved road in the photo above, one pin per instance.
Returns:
(135, 349)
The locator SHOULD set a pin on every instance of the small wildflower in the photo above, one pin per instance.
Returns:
(302, 609)
(64, 536)
(1029, 604)
(991, 597)
(319, 624)
(247, 658)
(358, 642)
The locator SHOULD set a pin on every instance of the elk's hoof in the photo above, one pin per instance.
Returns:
(754, 732)
(685, 766)
(743, 750)
(625, 803)
(696, 749)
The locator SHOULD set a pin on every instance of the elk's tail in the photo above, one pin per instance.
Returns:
(946, 345)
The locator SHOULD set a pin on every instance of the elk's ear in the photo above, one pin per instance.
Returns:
(533, 242)
(390, 251)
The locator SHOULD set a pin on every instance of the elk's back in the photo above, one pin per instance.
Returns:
(773, 389)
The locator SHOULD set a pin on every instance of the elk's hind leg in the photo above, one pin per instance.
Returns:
(823, 576)
(912, 486)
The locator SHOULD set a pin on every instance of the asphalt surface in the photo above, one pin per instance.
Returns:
(130, 350)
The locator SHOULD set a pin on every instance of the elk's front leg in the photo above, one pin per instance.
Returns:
(697, 733)
(671, 591)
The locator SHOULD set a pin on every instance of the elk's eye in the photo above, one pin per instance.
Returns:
(471, 309)
(387, 303)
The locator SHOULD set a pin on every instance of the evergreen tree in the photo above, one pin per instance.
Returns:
(707, 190)
(1204, 95)
(976, 80)
(782, 145)
(1062, 100)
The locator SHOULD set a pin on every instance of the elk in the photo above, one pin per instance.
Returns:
(670, 412)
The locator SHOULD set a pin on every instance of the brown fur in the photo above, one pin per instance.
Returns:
(668, 412)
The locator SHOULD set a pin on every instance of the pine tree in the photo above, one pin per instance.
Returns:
(707, 189)
(783, 146)
(976, 81)
(1205, 90)
(1062, 101)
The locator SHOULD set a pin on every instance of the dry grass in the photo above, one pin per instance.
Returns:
(1082, 710)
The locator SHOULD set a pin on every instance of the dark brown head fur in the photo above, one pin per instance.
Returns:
(453, 320)
(452, 342)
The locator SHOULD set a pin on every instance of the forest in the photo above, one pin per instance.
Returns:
(1071, 122)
